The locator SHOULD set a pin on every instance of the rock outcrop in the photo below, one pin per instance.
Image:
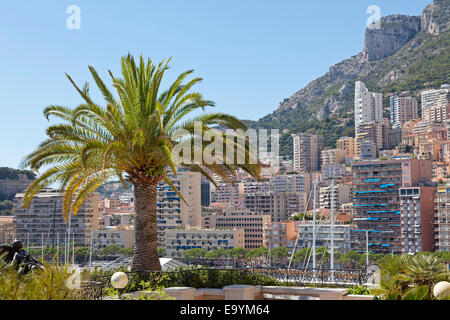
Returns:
(436, 17)
(396, 30)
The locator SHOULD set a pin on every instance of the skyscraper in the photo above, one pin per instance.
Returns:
(376, 201)
(307, 151)
(368, 106)
(403, 109)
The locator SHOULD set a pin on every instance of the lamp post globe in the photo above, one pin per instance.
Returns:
(119, 280)
(441, 289)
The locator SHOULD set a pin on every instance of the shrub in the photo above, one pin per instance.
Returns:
(48, 284)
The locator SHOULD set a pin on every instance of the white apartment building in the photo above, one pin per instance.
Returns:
(437, 101)
(178, 240)
(342, 194)
(323, 235)
(368, 106)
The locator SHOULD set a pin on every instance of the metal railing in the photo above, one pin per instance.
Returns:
(218, 278)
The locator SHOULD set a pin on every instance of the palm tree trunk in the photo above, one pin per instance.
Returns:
(145, 255)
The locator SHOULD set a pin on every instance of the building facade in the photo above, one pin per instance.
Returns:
(376, 200)
(251, 223)
(178, 240)
(172, 212)
(44, 220)
(368, 106)
(307, 150)
(442, 219)
(117, 236)
(403, 109)
(417, 219)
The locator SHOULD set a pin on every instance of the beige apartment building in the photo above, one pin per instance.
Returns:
(250, 222)
(348, 144)
(178, 240)
(342, 194)
(119, 236)
(372, 131)
(307, 149)
(172, 212)
(279, 205)
(7, 230)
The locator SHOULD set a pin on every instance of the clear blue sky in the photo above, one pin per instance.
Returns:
(251, 54)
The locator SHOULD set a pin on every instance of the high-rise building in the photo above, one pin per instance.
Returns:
(279, 205)
(172, 211)
(368, 106)
(376, 200)
(342, 194)
(333, 171)
(330, 156)
(251, 223)
(417, 219)
(228, 193)
(307, 149)
(372, 131)
(291, 183)
(367, 149)
(43, 222)
(348, 144)
(442, 219)
(402, 110)
(435, 104)
(205, 192)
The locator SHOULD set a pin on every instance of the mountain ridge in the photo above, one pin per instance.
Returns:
(408, 53)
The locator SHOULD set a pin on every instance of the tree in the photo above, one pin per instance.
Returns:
(280, 253)
(350, 259)
(137, 139)
(411, 277)
(161, 252)
(194, 253)
(215, 254)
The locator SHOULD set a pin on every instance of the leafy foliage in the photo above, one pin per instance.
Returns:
(411, 277)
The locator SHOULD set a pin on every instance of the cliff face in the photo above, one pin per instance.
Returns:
(395, 31)
(435, 17)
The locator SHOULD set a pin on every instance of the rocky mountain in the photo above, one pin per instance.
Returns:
(406, 54)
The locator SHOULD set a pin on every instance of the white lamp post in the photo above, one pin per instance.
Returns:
(441, 289)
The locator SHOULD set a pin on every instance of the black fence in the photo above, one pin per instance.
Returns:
(219, 278)
(316, 277)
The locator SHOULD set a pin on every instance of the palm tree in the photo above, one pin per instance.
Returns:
(132, 139)
(411, 277)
